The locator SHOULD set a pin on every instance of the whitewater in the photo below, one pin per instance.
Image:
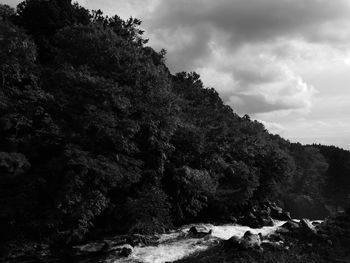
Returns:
(177, 245)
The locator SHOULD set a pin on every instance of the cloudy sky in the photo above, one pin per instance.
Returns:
(283, 62)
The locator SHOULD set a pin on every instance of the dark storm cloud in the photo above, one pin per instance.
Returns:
(250, 20)
(247, 77)
(256, 103)
(188, 46)
(194, 30)
(241, 21)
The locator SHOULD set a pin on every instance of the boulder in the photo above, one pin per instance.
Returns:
(316, 223)
(193, 230)
(283, 231)
(234, 242)
(250, 240)
(122, 251)
(250, 220)
(302, 229)
(267, 221)
(277, 212)
(263, 215)
(282, 216)
(125, 251)
(291, 225)
(306, 226)
(133, 241)
(196, 233)
(275, 209)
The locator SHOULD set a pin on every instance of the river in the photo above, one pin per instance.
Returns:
(176, 245)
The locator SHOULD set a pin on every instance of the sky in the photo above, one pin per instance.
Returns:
(285, 63)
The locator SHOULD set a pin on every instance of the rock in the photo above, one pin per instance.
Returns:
(260, 217)
(118, 245)
(133, 241)
(267, 221)
(126, 251)
(137, 240)
(291, 225)
(306, 226)
(248, 241)
(302, 229)
(282, 216)
(90, 248)
(282, 231)
(234, 242)
(277, 212)
(250, 220)
(316, 223)
(275, 209)
(275, 237)
(122, 251)
(193, 230)
(274, 246)
(195, 233)
(251, 240)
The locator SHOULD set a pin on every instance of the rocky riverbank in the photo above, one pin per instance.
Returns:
(264, 234)
(300, 241)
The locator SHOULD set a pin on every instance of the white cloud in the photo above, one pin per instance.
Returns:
(273, 127)
(251, 52)
(253, 81)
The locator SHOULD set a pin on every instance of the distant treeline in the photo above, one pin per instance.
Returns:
(97, 136)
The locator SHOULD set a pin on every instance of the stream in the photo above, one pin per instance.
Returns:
(177, 245)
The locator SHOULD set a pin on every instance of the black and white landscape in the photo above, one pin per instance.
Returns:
(210, 131)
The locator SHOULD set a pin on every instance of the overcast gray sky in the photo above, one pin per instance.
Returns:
(283, 62)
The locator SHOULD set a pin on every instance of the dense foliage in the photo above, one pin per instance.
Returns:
(337, 175)
(97, 135)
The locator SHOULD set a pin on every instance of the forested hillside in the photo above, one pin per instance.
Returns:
(98, 136)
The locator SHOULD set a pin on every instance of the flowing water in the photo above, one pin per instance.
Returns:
(176, 245)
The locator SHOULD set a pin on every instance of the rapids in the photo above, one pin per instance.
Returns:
(176, 245)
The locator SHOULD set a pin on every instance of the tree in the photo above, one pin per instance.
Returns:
(7, 13)
(42, 19)
(189, 190)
